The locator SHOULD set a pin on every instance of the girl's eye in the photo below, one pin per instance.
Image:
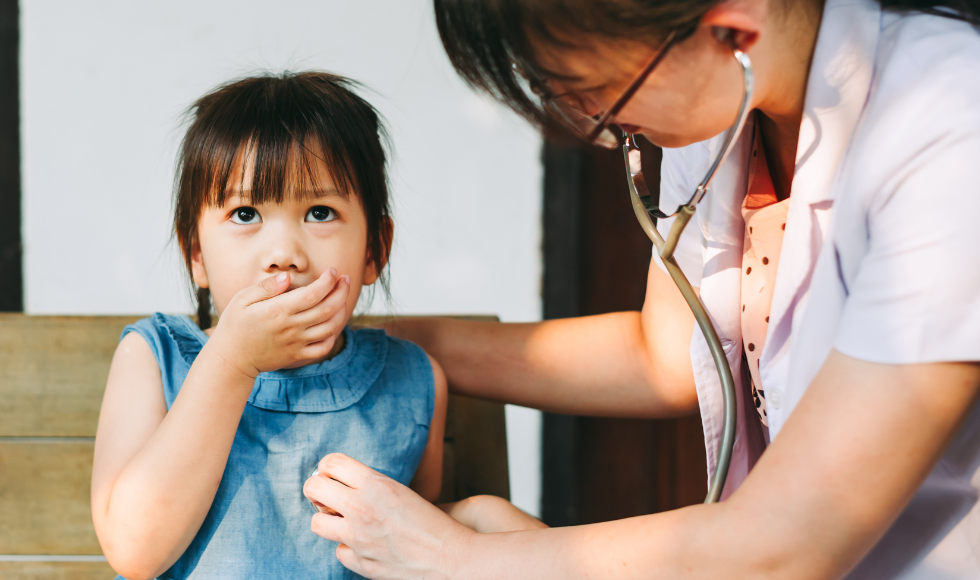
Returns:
(246, 216)
(321, 213)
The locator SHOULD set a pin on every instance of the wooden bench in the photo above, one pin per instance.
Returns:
(52, 374)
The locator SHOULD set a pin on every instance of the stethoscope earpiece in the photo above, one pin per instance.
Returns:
(725, 36)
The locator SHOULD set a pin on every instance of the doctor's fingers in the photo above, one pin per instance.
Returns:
(350, 472)
(349, 558)
(330, 493)
(333, 528)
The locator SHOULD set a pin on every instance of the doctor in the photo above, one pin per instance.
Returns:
(837, 252)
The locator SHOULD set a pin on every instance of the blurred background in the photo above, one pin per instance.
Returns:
(490, 218)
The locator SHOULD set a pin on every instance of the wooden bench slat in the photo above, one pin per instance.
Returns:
(53, 372)
(56, 571)
(480, 450)
(44, 499)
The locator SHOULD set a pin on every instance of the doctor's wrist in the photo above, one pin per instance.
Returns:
(455, 560)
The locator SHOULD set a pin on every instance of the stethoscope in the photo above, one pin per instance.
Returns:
(643, 207)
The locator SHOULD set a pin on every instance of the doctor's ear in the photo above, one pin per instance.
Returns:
(738, 24)
(375, 266)
(733, 39)
(198, 272)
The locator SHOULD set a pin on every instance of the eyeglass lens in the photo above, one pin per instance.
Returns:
(634, 145)
(580, 123)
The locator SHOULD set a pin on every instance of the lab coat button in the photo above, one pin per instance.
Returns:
(775, 397)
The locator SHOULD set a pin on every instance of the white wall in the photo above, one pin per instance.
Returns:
(103, 85)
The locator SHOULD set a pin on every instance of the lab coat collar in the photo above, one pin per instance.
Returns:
(837, 91)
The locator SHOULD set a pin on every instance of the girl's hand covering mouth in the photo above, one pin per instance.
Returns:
(269, 326)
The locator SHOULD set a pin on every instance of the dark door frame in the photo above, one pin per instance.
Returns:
(595, 261)
(564, 192)
(11, 248)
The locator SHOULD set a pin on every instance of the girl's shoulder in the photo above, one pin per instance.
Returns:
(170, 337)
(175, 342)
(410, 369)
(403, 355)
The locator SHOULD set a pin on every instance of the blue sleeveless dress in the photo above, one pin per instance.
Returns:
(373, 401)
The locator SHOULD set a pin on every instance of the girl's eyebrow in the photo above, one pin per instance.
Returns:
(320, 192)
(306, 193)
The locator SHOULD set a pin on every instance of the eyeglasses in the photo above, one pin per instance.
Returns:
(568, 111)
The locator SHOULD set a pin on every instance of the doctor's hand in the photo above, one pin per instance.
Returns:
(385, 529)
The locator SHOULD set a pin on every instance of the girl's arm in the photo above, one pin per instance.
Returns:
(627, 364)
(428, 478)
(156, 472)
(489, 514)
(852, 454)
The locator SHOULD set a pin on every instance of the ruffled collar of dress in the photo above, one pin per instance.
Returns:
(330, 385)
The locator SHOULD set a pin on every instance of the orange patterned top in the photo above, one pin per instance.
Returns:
(765, 222)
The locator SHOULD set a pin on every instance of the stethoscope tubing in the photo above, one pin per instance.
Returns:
(665, 249)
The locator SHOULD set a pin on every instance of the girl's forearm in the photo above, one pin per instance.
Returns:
(490, 514)
(595, 365)
(162, 496)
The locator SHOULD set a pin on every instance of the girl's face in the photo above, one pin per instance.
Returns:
(310, 232)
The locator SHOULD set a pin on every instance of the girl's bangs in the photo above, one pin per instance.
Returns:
(281, 169)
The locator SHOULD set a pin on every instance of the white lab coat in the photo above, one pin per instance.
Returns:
(880, 259)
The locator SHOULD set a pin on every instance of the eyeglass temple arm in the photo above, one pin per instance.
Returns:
(634, 86)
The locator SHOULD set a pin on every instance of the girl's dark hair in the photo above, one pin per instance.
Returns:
(487, 40)
(285, 123)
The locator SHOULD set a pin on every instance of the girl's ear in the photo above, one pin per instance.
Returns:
(198, 272)
(373, 268)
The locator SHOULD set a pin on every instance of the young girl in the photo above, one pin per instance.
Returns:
(208, 433)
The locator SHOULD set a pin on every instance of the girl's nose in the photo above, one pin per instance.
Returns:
(284, 253)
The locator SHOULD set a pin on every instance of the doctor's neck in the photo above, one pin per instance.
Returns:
(781, 57)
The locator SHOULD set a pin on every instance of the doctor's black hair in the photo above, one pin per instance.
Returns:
(487, 40)
(284, 120)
